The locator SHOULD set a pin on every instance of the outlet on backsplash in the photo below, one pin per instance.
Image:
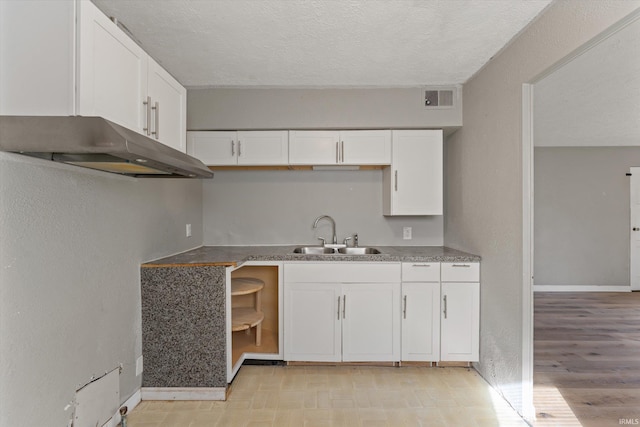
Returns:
(139, 367)
(406, 233)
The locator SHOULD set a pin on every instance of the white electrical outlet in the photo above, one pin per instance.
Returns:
(188, 230)
(139, 366)
(406, 233)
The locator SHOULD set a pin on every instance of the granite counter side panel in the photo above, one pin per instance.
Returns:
(183, 327)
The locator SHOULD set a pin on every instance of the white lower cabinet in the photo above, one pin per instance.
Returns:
(312, 328)
(370, 312)
(337, 312)
(421, 311)
(460, 321)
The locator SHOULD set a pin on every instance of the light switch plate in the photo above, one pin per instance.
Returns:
(406, 233)
(188, 230)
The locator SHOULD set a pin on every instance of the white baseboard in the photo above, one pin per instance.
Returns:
(184, 393)
(133, 401)
(569, 288)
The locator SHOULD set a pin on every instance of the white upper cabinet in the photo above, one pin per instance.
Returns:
(73, 60)
(112, 71)
(413, 185)
(356, 147)
(249, 148)
(314, 147)
(168, 105)
(365, 147)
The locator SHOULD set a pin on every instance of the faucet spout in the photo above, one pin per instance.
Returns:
(333, 226)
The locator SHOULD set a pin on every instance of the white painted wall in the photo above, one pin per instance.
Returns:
(582, 216)
(279, 207)
(594, 100)
(484, 173)
(71, 245)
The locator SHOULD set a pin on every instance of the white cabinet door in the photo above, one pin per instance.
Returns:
(112, 71)
(311, 322)
(220, 148)
(460, 322)
(413, 183)
(365, 147)
(314, 147)
(357, 147)
(212, 148)
(169, 107)
(370, 322)
(421, 322)
(263, 147)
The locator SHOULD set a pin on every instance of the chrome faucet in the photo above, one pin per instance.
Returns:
(333, 227)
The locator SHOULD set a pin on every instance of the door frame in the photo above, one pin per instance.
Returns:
(528, 410)
(633, 185)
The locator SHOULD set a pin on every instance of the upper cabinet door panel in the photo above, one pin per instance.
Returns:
(112, 71)
(365, 147)
(263, 147)
(414, 183)
(213, 148)
(170, 99)
(313, 147)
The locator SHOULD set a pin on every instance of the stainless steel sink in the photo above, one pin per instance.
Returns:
(321, 250)
(313, 250)
(359, 251)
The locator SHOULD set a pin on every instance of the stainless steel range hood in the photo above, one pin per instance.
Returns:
(96, 143)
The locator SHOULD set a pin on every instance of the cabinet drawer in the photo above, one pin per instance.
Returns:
(460, 272)
(420, 271)
(342, 272)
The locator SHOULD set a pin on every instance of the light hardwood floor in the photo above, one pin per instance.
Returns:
(347, 396)
(587, 359)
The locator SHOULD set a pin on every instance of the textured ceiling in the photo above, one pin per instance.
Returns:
(323, 43)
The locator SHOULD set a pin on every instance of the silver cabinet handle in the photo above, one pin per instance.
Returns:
(337, 151)
(344, 307)
(461, 265)
(239, 148)
(233, 148)
(338, 308)
(445, 306)
(342, 151)
(404, 308)
(396, 180)
(147, 103)
(421, 265)
(156, 107)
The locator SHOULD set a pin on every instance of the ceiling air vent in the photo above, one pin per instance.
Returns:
(438, 98)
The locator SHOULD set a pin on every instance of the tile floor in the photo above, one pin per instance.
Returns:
(340, 396)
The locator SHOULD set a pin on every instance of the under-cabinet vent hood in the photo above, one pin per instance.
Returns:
(96, 143)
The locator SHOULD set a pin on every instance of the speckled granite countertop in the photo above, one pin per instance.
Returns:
(236, 255)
